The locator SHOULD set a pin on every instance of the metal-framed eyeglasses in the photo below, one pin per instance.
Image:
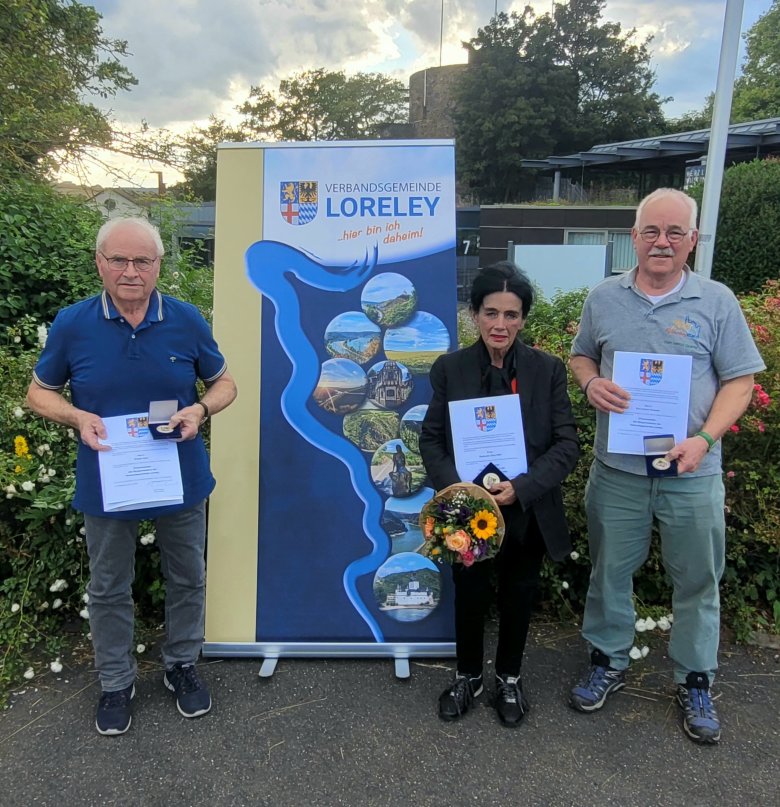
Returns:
(119, 263)
(673, 235)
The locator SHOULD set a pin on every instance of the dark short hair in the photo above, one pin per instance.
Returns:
(502, 276)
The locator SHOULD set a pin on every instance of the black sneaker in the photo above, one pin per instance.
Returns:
(115, 711)
(600, 682)
(456, 700)
(700, 718)
(511, 704)
(192, 695)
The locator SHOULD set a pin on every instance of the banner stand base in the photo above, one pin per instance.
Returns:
(402, 668)
(268, 667)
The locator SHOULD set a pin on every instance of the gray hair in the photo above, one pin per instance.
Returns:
(668, 193)
(136, 221)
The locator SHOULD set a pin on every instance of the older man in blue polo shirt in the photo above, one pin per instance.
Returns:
(661, 307)
(117, 352)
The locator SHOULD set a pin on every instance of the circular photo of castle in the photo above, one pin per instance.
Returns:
(370, 427)
(389, 384)
(352, 335)
(388, 299)
(401, 520)
(418, 343)
(411, 426)
(342, 386)
(407, 587)
(396, 470)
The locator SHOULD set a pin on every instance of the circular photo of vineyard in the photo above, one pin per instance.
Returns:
(370, 427)
(352, 335)
(418, 343)
(342, 386)
(407, 587)
(388, 299)
(389, 384)
(396, 470)
(411, 426)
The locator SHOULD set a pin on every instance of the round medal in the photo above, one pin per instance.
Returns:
(490, 480)
(661, 464)
(166, 428)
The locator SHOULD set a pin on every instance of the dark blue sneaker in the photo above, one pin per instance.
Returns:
(192, 695)
(600, 682)
(115, 711)
(457, 699)
(700, 718)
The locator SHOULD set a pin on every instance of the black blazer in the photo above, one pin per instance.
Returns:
(551, 442)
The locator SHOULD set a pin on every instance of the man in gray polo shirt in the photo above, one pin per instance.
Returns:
(661, 307)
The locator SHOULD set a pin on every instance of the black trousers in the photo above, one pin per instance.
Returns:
(516, 569)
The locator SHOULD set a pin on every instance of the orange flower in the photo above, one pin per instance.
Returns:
(428, 528)
(459, 541)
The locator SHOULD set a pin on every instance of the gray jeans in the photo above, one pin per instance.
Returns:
(111, 542)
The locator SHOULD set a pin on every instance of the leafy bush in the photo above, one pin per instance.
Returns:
(47, 251)
(748, 236)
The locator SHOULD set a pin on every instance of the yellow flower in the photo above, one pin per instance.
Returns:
(436, 551)
(484, 524)
(21, 449)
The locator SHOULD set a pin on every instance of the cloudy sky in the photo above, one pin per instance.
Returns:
(194, 58)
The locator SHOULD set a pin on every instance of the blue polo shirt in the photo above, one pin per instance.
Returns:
(115, 369)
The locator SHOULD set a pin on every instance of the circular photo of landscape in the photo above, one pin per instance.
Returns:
(389, 384)
(342, 386)
(401, 520)
(418, 343)
(407, 587)
(396, 470)
(388, 299)
(411, 426)
(352, 335)
(370, 427)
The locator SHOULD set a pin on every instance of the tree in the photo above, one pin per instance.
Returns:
(747, 241)
(547, 84)
(52, 54)
(315, 105)
(325, 105)
(757, 90)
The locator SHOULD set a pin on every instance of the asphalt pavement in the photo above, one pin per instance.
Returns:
(347, 732)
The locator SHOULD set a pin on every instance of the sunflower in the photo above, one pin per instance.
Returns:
(484, 524)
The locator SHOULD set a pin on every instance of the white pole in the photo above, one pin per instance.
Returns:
(716, 155)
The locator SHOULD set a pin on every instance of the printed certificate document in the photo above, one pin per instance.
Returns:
(660, 387)
(139, 471)
(488, 430)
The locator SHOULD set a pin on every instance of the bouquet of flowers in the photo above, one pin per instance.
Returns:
(461, 524)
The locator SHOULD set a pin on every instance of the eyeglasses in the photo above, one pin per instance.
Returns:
(674, 236)
(119, 264)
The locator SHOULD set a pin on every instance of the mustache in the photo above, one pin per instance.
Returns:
(658, 252)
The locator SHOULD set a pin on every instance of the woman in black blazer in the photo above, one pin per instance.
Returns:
(532, 503)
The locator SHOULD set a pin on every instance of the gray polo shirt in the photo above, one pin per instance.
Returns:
(702, 319)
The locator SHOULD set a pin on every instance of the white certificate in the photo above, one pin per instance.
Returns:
(660, 387)
(139, 471)
(486, 430)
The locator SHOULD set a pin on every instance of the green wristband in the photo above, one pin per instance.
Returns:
(708, 437)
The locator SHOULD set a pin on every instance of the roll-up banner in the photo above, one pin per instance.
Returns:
(346, 296)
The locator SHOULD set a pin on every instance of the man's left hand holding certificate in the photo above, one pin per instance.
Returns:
(138, 471)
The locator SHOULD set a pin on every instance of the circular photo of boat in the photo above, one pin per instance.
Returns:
(342, 386)
(388, 299)
(370, 427)
(352, 335)
(396, 471)
(418, 343)
(411, 426)
(389, 384)
(407, 587)
(401, 520)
